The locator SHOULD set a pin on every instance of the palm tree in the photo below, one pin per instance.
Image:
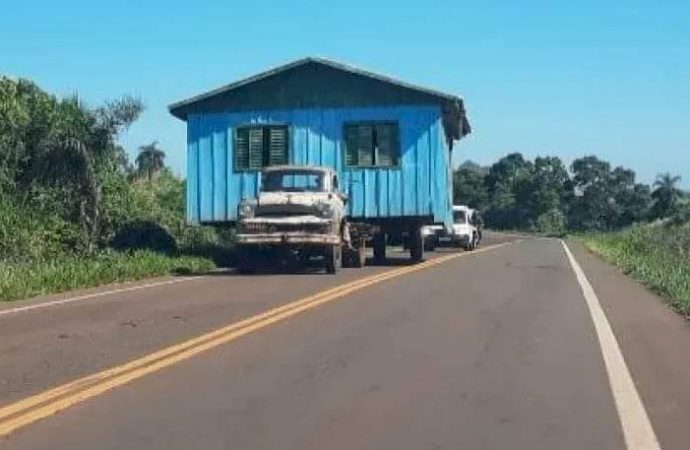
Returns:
(665, 194)
(150, 160)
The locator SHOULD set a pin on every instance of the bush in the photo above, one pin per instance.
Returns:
(144, 235)
(681, 215)
(27, 233)
(552, 223)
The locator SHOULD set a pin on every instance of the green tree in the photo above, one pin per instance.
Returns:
(53, 151)
(666, 195)
(590, 207)
(508, 183)
(606, 199)
(549, 185)
(469, 187)
(150, 161)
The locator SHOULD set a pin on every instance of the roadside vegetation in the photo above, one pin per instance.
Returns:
(74, 212)
(657, 255)
(22, 280)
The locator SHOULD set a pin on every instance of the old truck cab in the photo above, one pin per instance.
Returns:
(298, 214)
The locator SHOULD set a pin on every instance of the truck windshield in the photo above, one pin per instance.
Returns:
(293, 181)
(459, 217)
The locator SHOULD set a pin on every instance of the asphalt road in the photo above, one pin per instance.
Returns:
(489, 350)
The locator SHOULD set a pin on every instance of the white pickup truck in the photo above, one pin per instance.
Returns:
(465, 233)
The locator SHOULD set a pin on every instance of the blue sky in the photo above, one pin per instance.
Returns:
(564, 78)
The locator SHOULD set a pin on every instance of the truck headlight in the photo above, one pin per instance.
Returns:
(245, 210)
(324, 209)
(426, 231)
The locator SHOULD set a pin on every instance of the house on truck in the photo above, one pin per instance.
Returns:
(390, 143)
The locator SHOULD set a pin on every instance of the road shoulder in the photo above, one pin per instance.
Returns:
(655, 342)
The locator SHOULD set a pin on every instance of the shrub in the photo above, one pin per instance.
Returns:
(144, 235)
(552, 223)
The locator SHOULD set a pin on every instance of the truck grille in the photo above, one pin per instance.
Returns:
(283, 228)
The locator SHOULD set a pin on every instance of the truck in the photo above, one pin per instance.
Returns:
(299, 214)
(387, 143)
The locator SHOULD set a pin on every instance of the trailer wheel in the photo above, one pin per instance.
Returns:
(334, 259)
(416, 245)
(379, 247)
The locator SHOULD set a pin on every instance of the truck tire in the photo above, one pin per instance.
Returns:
(416, 245)
(334, 259)
(246, 262)
(379, 247)
(431, 245)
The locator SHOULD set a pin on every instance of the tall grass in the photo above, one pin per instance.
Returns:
(22, 280)
(657, 255)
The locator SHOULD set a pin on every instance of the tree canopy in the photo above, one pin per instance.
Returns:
(544, 195)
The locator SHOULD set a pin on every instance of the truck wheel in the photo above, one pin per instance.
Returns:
(380, 247)
(416, 245)
(431, 245)
(246, 262)
(334, 259)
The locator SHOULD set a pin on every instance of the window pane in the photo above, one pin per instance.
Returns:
(242, 149)
(351, 145)
(372, 144)
(365, 145)
(277, 146)
(387, 144)
(256, 148)
(291, 180)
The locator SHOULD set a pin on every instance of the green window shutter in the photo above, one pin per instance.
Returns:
(277, 146)
(242, 149)
(256, 147)
(365, 145)
(351, 145)
(387, 144)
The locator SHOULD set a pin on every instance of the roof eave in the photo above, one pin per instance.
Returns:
(178, 109)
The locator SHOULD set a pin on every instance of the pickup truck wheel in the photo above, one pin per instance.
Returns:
(334, 259)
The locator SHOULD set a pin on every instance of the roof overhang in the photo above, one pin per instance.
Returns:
(455, 121)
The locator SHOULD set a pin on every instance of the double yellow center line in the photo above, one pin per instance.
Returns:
(52, 401)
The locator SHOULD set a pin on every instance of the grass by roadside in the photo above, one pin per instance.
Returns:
(656, 255)
(23, 280)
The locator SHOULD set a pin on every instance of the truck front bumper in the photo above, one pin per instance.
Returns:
(291, 238)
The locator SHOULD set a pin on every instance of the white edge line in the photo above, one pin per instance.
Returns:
(637, 428)
(94, 295)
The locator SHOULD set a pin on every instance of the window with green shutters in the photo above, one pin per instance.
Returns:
(372, 144)
(260, 146)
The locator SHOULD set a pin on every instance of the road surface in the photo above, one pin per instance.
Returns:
(496, 349)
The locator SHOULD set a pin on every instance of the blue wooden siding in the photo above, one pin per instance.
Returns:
(418, 187)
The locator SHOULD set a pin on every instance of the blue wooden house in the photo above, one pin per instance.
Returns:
(390, 141)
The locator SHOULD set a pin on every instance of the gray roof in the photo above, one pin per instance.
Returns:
(455, 118)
